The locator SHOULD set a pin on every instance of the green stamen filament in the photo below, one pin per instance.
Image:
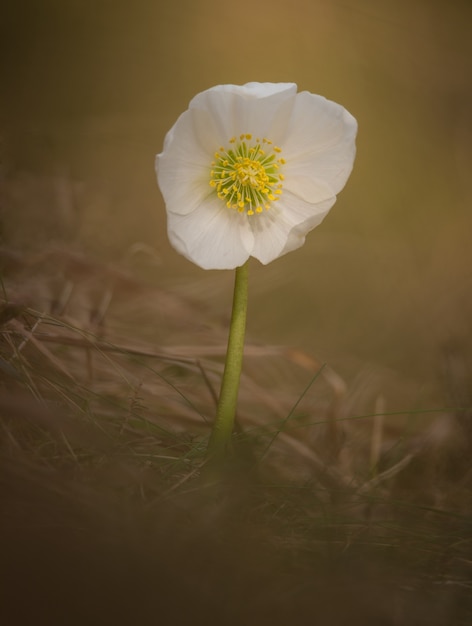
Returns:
(246, 175)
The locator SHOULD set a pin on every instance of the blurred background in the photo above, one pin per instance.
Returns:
(91, 88)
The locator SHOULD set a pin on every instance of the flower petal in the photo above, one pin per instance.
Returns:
(251, 108)
(252, 89)
(212, 236)
(183, 168)
(284, 227)
(320, 141)
(311, 189)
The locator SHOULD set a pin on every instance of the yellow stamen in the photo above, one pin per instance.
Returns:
(247, 177)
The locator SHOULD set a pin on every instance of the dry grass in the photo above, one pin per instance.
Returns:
(333, 510)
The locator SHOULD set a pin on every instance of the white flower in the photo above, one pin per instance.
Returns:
(250, 170)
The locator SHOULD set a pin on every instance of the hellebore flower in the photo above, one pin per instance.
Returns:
(249, 170)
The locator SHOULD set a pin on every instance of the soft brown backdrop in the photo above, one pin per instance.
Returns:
(91, 87)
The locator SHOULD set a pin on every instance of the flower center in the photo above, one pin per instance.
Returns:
(246, 175)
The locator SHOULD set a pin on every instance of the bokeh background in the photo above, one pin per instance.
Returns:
(91, 87)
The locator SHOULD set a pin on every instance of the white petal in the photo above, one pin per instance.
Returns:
(253, 108)
(212, 236)
(308, 188)
(253, 90)
(183, 168)
(297, 234)
(284, 227)
(320, 141)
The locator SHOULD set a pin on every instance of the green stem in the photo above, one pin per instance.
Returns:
(223, 427)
